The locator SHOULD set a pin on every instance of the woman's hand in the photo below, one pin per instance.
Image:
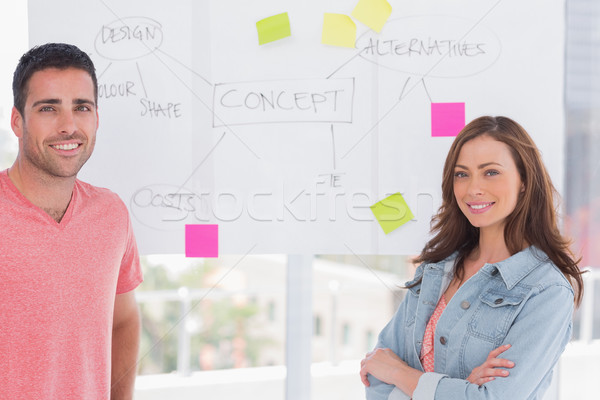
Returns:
(382, 364)
(492, 367)
(386, 366)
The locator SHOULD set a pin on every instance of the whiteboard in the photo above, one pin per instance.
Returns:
(287, 145)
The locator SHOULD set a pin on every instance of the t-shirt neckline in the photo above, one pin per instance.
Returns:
(26, 203)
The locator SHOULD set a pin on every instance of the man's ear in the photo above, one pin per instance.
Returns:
(16, 122)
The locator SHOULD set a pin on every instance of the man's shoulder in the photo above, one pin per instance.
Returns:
(98, 196)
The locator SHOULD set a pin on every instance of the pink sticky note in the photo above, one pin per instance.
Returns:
(447, 119)
(202, 240)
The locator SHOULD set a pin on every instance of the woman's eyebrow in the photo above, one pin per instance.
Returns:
(480, 166)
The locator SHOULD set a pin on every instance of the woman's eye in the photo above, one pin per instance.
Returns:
(492, 172)
(459, 174)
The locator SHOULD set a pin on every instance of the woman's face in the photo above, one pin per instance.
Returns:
(487, 183)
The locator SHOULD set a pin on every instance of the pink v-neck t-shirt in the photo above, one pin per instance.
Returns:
(58, 283)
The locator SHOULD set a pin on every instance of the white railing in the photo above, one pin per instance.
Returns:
(185, 296)
(583, 351)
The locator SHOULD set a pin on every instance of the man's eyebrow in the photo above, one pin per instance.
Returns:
(59, 101)
(46, 101)
(84, 101)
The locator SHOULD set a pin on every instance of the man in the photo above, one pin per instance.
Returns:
(69, 323)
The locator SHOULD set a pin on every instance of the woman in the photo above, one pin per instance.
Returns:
(497, 278)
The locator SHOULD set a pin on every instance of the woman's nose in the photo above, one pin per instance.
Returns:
(476, 187)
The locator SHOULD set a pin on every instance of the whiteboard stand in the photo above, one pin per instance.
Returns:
(299, 327)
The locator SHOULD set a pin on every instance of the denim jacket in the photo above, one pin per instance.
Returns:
(524, 301)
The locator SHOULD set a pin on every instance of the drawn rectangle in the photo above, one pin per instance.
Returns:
(299, 100)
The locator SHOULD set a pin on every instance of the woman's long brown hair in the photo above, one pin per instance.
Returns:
(532, 222)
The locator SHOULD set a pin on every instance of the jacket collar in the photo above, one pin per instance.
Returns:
(512, 270)
(518, 266)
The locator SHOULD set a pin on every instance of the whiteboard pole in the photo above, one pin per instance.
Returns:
(299, 327)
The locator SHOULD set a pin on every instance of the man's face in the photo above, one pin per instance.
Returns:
(57, 132)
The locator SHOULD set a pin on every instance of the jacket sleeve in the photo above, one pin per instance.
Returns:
(392, 337)
(538, 337)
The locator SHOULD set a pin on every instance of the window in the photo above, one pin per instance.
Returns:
(198, 318)
(318, 329)
(346, 334)
(369, 340)
(201, 315)
(271, 308)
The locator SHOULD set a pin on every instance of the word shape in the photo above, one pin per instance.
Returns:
(128, 38)
(423, 47)
(301, 100)
(153, 109)
(124, 32)
(333, 179)
(435, 45)
(108, 90)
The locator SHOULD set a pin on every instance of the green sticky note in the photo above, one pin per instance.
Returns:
(338, 30)
(373, 13)
(392, 212)
(273, 28)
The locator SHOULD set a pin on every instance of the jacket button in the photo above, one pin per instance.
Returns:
(465, 305)
(498, 301)
(443, 340)
(418, 291)
(495, 272)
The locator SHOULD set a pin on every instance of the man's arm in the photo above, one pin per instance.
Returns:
(125, 343)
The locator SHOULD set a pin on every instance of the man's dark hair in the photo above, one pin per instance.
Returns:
(50, 55)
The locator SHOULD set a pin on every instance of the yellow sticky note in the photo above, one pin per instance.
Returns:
(273, 28)
(392, 212)
(338, 30)
(373, 13)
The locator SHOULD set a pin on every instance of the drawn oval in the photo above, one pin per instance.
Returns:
(128, 38)
(165, 207)
(438, 46)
